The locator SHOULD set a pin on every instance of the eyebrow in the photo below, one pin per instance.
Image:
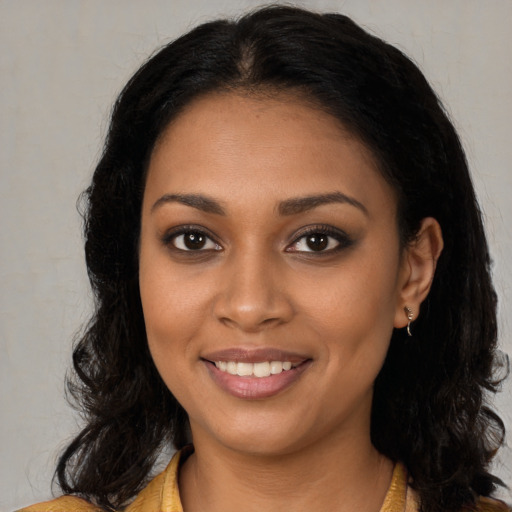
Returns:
(302, 204)
(197, 201)
(292, 206)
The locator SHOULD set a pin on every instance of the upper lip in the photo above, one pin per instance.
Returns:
(254, 355)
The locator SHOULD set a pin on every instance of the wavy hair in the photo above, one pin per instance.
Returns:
(429, 407)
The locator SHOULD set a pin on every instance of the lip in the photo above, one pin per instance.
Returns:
(254, 388)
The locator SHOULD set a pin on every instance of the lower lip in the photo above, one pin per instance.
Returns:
(256, 387)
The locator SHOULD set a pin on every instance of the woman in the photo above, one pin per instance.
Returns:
(292, 284)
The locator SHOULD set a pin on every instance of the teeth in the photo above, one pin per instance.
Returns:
(263, 369)
(276, 367)
(244, 369)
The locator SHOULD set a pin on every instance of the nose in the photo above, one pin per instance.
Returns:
(252, 296)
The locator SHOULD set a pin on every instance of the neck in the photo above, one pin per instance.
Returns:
(345, 475)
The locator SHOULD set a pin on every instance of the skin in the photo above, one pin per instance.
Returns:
(257, 284)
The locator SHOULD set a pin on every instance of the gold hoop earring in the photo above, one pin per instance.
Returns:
(408, 312)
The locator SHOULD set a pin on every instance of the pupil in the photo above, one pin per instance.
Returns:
(194, 241)
(317, 242)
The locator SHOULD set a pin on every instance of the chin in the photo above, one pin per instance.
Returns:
(264, 435)
(262, 444)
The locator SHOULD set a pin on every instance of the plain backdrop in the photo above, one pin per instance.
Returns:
(62, 62)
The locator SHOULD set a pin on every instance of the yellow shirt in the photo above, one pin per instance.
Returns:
(162, 495)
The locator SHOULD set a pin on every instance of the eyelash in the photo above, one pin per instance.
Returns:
(341, 238)
(169, 239)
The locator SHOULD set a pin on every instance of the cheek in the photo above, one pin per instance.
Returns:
(171, 307)
(359, 296)
(170, 325)
(353, 312)
(171, 295)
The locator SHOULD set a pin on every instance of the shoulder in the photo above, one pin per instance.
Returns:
(491, 505)
(160, 494)
(63, 504)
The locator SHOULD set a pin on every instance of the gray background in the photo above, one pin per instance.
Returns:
(61, 65)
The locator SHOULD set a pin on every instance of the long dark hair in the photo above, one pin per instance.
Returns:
(429, 406)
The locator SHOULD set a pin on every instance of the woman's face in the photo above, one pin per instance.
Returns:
(270, 272)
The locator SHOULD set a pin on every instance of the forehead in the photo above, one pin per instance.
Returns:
(230, 144)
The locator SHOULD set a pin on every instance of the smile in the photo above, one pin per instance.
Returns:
(256, 379)
(259, 369)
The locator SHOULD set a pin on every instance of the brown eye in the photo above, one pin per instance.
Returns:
(194, 241)
(317, 241)
(320, 240)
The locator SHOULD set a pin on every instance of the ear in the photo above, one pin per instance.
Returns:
(418, 266)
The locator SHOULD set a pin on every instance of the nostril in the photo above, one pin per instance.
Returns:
(251, 304)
